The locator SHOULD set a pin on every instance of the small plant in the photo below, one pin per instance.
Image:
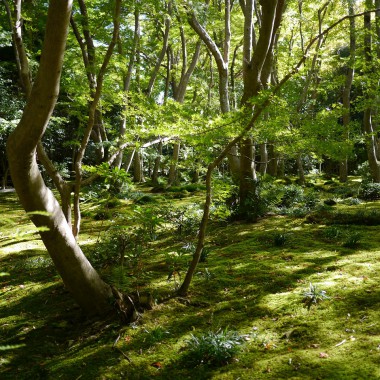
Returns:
(213, 348)
(204, 255)
(332, 233)
(352, 239)
(176, 262)
(279, 239)
(155, 335)
(149, 220)
(313, 296)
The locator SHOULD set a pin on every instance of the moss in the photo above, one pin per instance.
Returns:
(253, 287)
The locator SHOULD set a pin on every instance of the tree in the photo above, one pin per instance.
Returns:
(369, 119)
(80, 278)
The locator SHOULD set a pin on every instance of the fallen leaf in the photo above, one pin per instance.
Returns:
(323, 355)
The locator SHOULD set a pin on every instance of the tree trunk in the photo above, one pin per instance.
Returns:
(272, 160)
(263, 159)
(301, 172)
(369, 125)
(80, 278)
(346, 94)
(256, 73)
(138, 175)
(173, 175)
(157, 162)
(162, 53)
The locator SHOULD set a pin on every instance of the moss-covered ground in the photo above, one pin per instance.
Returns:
(252, 281)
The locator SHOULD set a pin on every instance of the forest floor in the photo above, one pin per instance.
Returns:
(252, 281)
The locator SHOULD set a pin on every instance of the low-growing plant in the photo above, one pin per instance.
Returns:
(149, 219)
(213, 348)
(296, 212)
(176, 262)
(185, 219)
(280, 238)
(313, 296)
(292, 194)
(352, 201)
(332, 233)
(352, 239)
(369, 191)
(204, 255)
(155, 335)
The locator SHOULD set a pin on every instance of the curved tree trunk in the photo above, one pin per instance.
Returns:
(80, 278)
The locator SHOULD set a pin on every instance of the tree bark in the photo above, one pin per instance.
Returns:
(173, 175)
(346, 93)
(80, 278)
(368, 118)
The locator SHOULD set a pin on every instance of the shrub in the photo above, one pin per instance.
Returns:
(369, 191)
(292, 194)
(213, 348)
(185, 219)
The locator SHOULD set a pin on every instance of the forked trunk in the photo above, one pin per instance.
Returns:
(80, 278)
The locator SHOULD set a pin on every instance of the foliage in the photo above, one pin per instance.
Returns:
(184, 219)
(352, 239)
(313, 296)
(213, 348)
(292, 194)
(369, 191)
(115, 181)
(149, 220)
(279, 239)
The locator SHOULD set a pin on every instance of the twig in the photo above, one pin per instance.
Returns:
(340, 343)
(125, 355)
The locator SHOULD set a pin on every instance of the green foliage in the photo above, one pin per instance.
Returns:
(313, 296)
(369, 191)
(352, 239)
(155, 335)
(213, 348)
(149, 219)
(184, 219)
(114, 181)
(279, 239)
(332, 233)
(292, 194)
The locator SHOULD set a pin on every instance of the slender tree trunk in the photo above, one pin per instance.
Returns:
(173, 175)
(157, 162)
(92, 113)
(263, 159)
(346, 95)
(272, 160)
(301, 172)
(91, 293)
(126, 85)
(161, 55)
(369, 124)
(138, 175)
